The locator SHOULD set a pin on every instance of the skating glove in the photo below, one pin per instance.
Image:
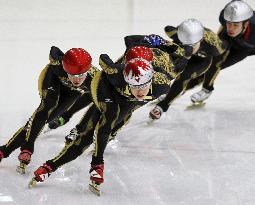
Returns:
(156, 113)
(188, 51)
(181, 62)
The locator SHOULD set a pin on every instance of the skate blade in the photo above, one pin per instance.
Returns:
(196, 105)
(22, 168)
(150, 121)
(154, 102)
(89, 150)
(46, 130)
(95, 188)
(32, 183)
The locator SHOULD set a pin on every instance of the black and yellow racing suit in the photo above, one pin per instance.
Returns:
(170, 56)
(113, 104)
(57, 94)
(238, 49)
(198, 64)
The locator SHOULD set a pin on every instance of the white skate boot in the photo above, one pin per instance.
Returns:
(71, 136)
(200, 96)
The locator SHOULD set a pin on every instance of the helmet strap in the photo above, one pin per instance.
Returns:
(243, 28)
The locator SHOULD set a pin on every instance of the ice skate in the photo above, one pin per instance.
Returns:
(32, 183)
(24, 158)
(159, 99)
(96, 178)
(200, 96)
(95, 188)
(195, 106)
(150, 121)
(46, 129)
(22, 168)
(41, 174)
(71, 136)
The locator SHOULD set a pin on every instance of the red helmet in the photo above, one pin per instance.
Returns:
(138, 72)
(76, 61)
(139, 52)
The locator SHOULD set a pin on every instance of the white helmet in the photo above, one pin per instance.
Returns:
(138, 72)
(237, 11)
(190, 31)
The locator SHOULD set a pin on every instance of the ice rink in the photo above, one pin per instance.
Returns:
(203, 156)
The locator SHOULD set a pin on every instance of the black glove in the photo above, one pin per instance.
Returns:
(188, 51)
(181, 62)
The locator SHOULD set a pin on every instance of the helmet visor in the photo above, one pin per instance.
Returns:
(82, 75)
(142, 86)
(77, 79)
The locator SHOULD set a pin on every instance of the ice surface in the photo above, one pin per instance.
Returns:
(189, 157)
